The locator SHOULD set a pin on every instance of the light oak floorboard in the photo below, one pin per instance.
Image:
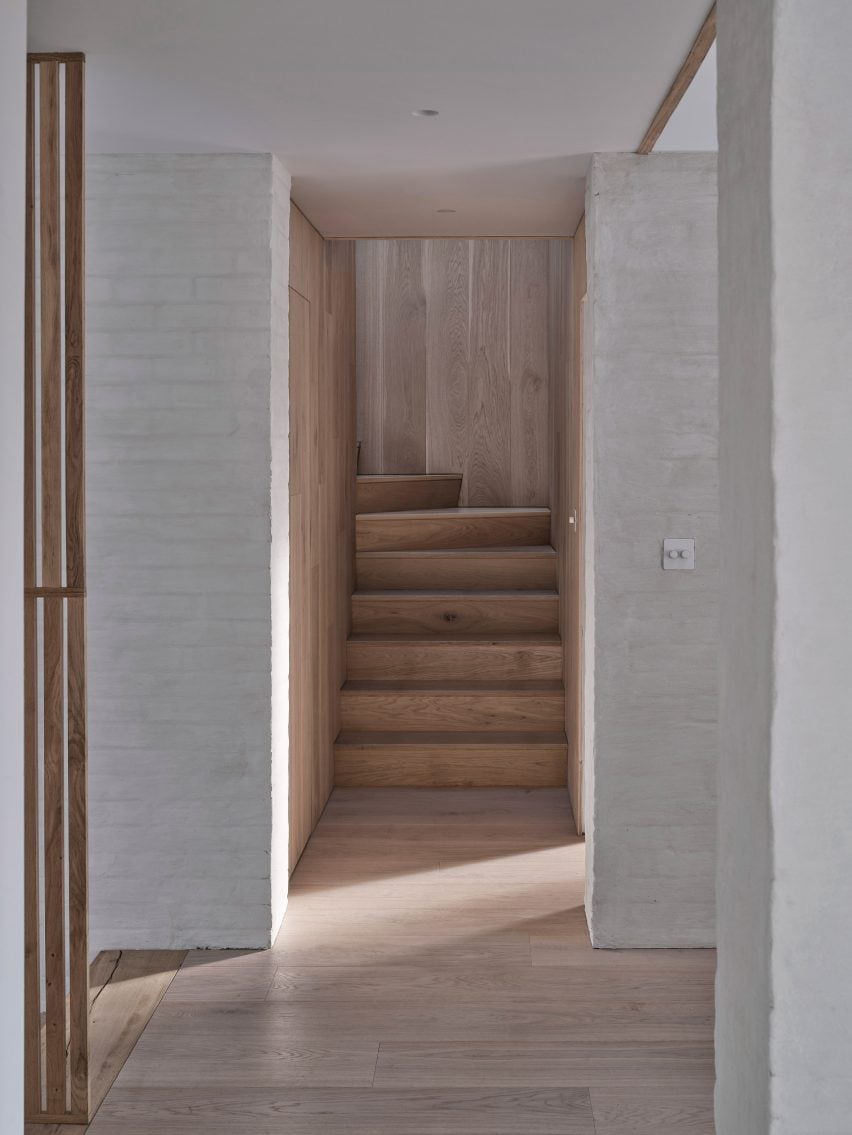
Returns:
(646, 1112)
(433, 975)
(274, 1111)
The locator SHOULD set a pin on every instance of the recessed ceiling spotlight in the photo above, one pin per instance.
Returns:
(425, 113)
(445, 210)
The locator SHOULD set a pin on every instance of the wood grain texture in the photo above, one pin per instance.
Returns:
(122, 1007)
(452, 528)
(389, 493)
(488, 470)
(503, 658)
(646, 1111)
(404, 360)
(75, 195)
(682, 82)
(379, 705)
(422, 612)
(322, 505)
(32, 928)
(370, 276)
(486, 404)
(572, 580)
(50, 289)
(485, 569)
(529, 371)
(78, 857)
(447, 288)
(409, 929)
(455, 760)
(56, 1020)
(56, 834)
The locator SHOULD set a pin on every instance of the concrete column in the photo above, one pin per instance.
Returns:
(652, 386)
(13, 50)
(188, 617)
(784, 994)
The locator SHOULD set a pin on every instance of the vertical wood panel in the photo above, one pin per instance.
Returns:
(574, 588)
(370, 259)
(51, 327)
(529, 372)
(484, 307)
(447, 277)
(488, 466)
(75, 497)
(32, 973)
(54, 854)
(322, 433)
(404, 358)
(78, 917)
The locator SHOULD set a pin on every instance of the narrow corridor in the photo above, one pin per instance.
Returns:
(433, 975)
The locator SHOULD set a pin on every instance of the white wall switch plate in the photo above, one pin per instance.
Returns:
(678, 555)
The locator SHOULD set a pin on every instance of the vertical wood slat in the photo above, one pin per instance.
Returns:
(56, 1043)
(32, 966)
(51, 553)
(78, 930)
(54, 854)
(75, 498)
(51, 327)
(75, 540)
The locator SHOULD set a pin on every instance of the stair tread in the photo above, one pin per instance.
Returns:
(482, 738)
(452, 513)
(398, 478)
(455, 593)
(496, 686)
(521, 638)
(518, 552)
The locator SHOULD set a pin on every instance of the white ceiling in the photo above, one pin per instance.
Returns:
(526, 89)
(693, 124)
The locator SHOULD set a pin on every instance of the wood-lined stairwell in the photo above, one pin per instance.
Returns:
(454, 664)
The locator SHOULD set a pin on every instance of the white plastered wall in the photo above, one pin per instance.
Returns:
(13, 48)
(652, 387)
(187, 266)
(784, 984)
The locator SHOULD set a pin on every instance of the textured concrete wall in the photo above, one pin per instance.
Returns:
(747, 573)
(183, 319)
(279, 404)
(13, 49)
(784, 992)
(653, 384)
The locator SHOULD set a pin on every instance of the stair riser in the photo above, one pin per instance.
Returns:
(528, 573)
(503, 711)
(388, 496)
(390, 532)
(450, 766)
(459, 616)
(456, 661)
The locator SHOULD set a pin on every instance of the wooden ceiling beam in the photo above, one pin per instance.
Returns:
(697, 54)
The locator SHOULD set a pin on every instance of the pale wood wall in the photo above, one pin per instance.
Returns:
(456, 358)
(322, 503)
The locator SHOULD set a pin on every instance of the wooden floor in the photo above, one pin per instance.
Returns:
(433, 975)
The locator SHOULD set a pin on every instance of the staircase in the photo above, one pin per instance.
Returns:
(454, 665)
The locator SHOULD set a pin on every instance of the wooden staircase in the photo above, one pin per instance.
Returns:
(454, 665)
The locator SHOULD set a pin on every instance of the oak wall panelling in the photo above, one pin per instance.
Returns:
(322, 487)
(455, 362)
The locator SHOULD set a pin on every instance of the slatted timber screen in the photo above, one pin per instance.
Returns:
(57, 979)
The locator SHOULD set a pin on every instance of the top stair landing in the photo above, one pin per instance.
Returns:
(392, 493)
